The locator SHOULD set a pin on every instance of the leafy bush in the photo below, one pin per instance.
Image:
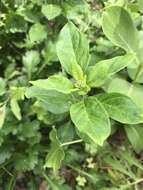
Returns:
(71, 108)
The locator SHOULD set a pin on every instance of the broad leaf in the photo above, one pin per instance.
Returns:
(98, 74)
(135, 136)
(56, 82)
(73, 51)
(118, 26)
(121, 108)
(136, 74)
(2, 115)
(91, 119)
(30, 60)
(55, 102)
(140, 4)
(51, 11)
(134, 91)
(37, 33)
(56, 153)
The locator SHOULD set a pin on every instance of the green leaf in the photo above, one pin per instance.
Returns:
(30, 60)
(37, 33)
(15, 108)
(73, 51)
(2, 86)
(91, 119)
(73, 9)
(56, 102)
(17, 92)
(2, 115)
(118, 26)
(121, 108)
(134, 91)
(135, 74)
(51, 11)
(56, 153)
(98, 74)
(135, 136)
(140, 4)
(56, 82)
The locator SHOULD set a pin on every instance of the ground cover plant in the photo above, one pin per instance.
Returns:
(71, 94)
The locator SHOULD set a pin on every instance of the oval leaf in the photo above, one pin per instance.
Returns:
(73, 51)
(55, 102)
(51, 11)
(121, 108)
(118, 26)
(56, 153)
(91, 119)
(56, 82)
(98, 74)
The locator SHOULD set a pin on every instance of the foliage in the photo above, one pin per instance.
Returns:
(71, 108)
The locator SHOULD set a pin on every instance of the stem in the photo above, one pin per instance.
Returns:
(136, 76)
(7, 171)
(71, 142)
(133, 183)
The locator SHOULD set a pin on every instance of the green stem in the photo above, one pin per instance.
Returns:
(133, 183)
(139, 69)
(71, 142)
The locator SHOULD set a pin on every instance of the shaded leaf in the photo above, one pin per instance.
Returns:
(55, 102)
(30, 60)
(37, 33)
(56, 153)
(135, 136)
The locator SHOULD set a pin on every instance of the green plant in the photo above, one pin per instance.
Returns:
(71, 94)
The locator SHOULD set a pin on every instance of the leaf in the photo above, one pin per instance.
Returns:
(15, 108)
(15, 23)
(37, 33)
(50, 11)
(55, 102)
(16, 93)
(140, 4)
(2, 86)
(135, 74)
(98, 74)
(66, 132)
(121, 108)
(73, 51)
(56, 82)
(134, 91)
(91, 119)
(73, 9)
(30, 60)
(56, 153)
(2, 115)
(135, 136)
(118, 26)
